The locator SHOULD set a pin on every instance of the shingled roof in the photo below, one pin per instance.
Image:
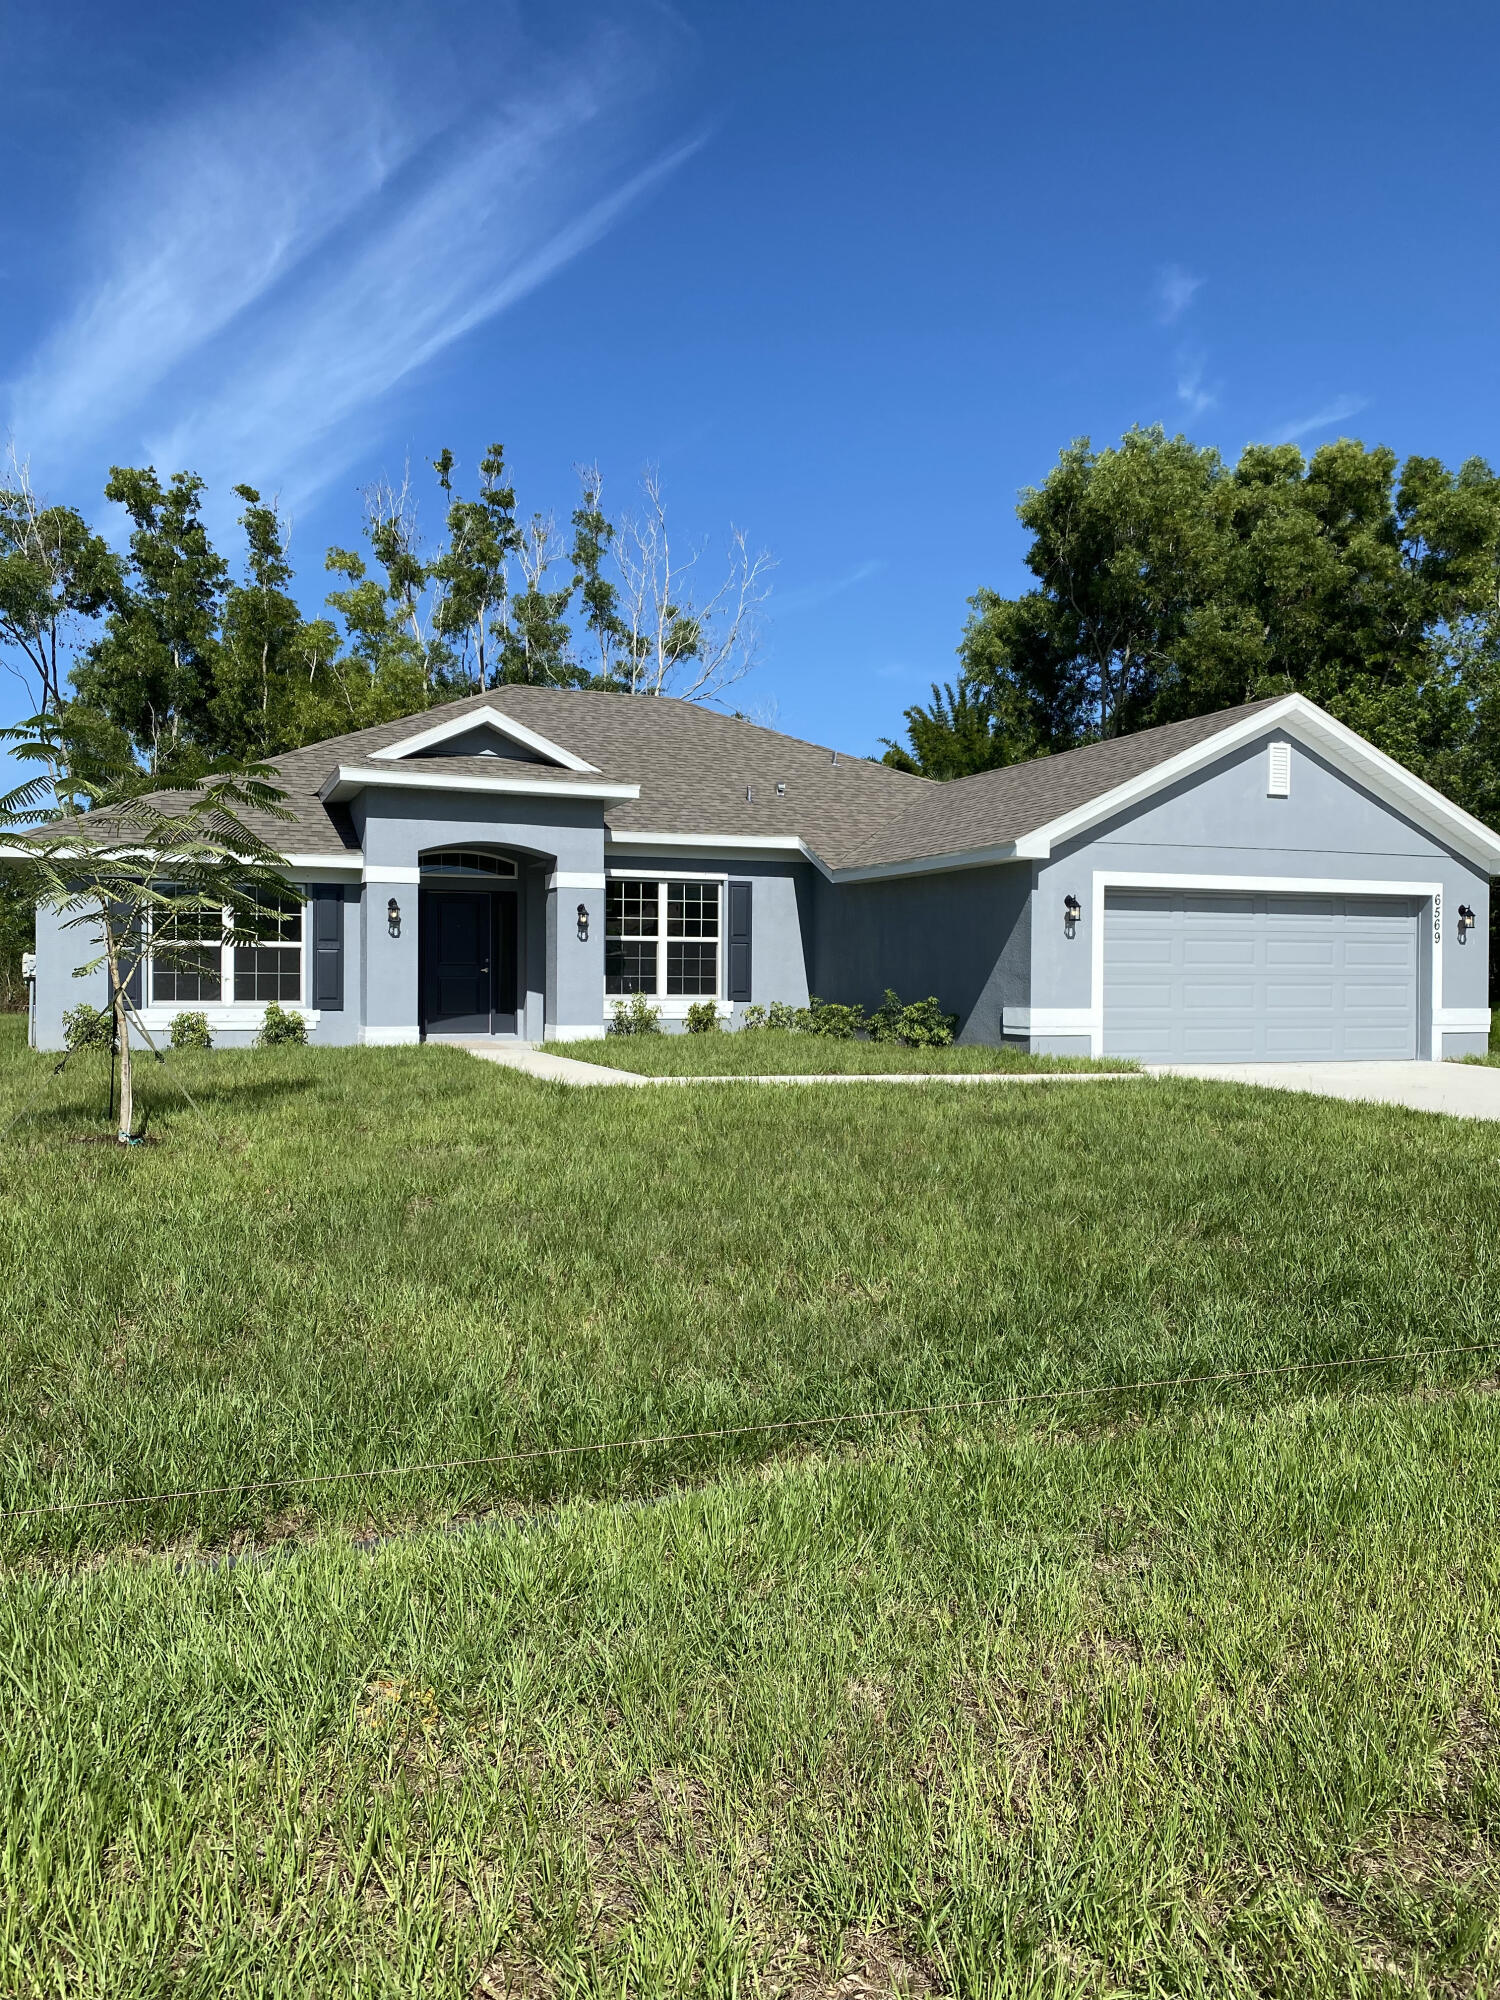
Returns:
(717, 776)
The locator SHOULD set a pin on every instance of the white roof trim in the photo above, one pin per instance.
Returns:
(780, 843)
(352, 778)
(481, 718)
(1389, 781)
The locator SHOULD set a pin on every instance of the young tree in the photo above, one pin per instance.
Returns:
(165, 875)
(694, 647)
(57, 578)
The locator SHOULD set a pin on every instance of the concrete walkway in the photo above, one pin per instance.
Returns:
(550, 1068)
(1461, 1090)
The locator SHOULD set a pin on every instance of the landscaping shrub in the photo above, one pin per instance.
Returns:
(777, 1015)
(830, 1018)
(281, 1027)
(921, 1024)
(635, 1017)
(190, 1031)
(86, 1027)
(703, 1018)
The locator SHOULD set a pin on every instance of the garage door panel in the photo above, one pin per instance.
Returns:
(1306, 951)
(1306, 978)
(1304, 1043)
(1301, 999)
(1217, 950)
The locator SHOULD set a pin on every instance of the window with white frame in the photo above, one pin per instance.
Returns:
(661, 939)
(187, 959)
(192, 964)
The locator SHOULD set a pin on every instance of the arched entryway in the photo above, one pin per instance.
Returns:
(471, 942)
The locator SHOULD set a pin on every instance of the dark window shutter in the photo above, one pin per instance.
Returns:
(739, 940)
(133, 981)
(328, 946)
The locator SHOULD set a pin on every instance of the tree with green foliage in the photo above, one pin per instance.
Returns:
(57, 578)
(607, 636)
(154, 672)
(1169, 584)
(167, 875)
(472, 570)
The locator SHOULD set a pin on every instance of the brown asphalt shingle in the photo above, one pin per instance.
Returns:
(695, 767)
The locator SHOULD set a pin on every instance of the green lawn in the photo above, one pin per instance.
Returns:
(1201, 1707)
(777, 1052)
(1187, 1692)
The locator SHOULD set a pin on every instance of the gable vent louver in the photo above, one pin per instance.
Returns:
(1279, 771)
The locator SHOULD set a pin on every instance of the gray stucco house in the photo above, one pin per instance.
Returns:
(1257, 884)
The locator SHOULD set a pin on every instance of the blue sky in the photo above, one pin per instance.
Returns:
(850, 274)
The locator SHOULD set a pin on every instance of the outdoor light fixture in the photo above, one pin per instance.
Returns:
(1466, 922)
(393, 917)
(1072, 911)
(583, 923)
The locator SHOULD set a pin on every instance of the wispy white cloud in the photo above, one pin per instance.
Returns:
(276, 261)
(1193, 392)
(808, 595)
(1333, 413)
(1175, 291)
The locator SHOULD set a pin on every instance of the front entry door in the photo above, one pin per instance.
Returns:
(469, 965)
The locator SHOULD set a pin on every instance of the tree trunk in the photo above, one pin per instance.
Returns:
(122, 1037)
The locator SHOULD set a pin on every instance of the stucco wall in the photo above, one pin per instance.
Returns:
(556, 840)
(960, 935)
(58, 951)
(781, 941)
(1221, 822)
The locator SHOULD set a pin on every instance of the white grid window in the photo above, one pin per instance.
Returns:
(201, 969)
(639, 917)
(190, 967)
(272, 968)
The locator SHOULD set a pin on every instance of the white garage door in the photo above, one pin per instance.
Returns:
(1223, 978)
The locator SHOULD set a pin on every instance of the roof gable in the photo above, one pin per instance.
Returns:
(464, 734)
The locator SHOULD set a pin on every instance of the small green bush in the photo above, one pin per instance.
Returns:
(635, 1017)
(921, 1024)
(190, 1031)
(281, 1027)
(86, 1027)
(702, 1018)
(831, 1018)
(777, 1015)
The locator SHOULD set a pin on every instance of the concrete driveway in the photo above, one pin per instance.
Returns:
(1461, 1090)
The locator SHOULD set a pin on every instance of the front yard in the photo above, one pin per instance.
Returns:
(1191, 1690)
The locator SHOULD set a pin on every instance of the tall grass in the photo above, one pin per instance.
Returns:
(352, 1260)
(779, 1052)
(1200, 1707)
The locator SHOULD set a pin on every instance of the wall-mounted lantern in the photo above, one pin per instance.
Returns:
(1466, 922)
(393, 917)
(583, 923)
(1072, 911)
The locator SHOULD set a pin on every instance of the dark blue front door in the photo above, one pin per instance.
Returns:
(469, 970)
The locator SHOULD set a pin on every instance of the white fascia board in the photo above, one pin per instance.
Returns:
(352, 778)
(481, 718)
(715, 845)
(1299, 718)
(930, 864)
(346, 863)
